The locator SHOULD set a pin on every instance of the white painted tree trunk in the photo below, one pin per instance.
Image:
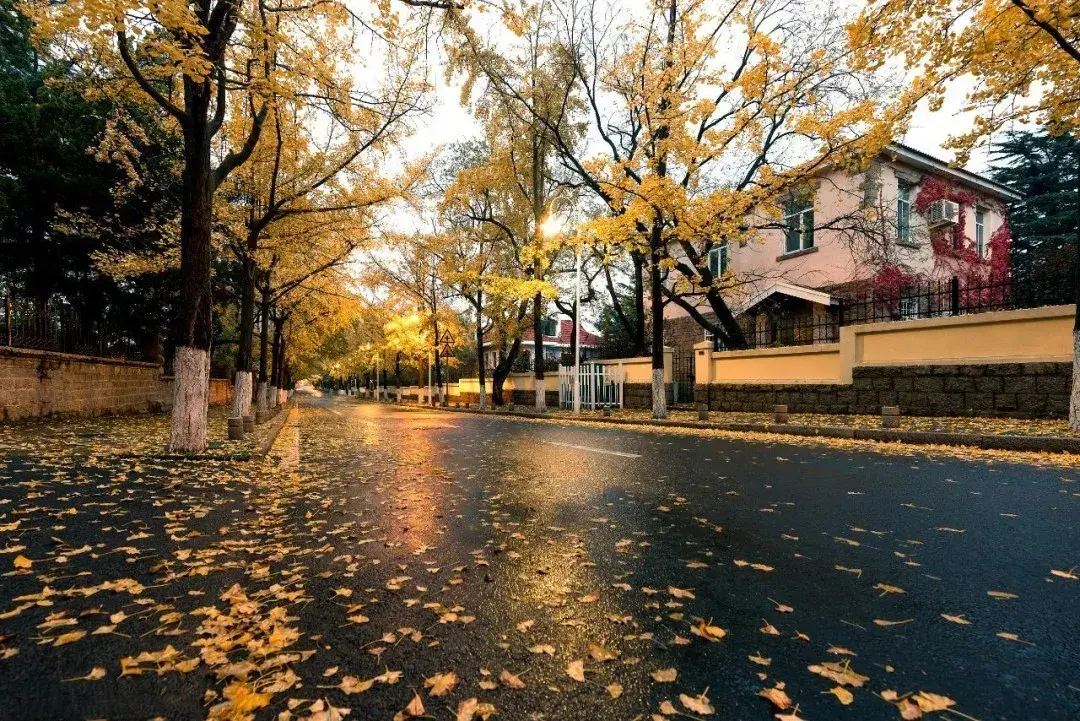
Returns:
(273, 397)
(191, 396)
(241, 407)
(1074, 397)
(541, 396)
(659, 394)
(483, 398)
(261, 399)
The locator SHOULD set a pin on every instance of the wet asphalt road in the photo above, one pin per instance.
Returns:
(466, 541)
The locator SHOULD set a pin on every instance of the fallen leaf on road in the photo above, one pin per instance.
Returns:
(760, 660)
(697, 704)
(510, 680)
(885, 622)
(1004, 595)
(1066, 574)
(886, 588)
(708, 631)
(680, 592)
(542, 648)
(664, 675)
(777, 696)
(576, 671)
(601, 654)
(959, 618)
(1009, 636)
(441, 684)
(22, 562)
(930, 702)
(841, 673)
(842, 695)
(614, 690)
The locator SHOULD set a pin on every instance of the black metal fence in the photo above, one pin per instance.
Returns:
(924, 299)
(55, 326)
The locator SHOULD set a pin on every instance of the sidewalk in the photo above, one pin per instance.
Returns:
(999, 434)
(133, 436)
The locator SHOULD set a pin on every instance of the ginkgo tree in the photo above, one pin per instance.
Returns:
(1023, 54)
(704, 118)
(313, 189)
(202, 64)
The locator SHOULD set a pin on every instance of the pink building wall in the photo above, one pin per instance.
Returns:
(843, 255)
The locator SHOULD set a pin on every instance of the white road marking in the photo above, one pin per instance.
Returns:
(594, 450)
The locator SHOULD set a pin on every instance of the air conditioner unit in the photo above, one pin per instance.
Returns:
(943, 212)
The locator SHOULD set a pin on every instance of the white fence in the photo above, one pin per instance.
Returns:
(598, 385)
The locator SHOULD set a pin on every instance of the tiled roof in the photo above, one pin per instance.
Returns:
(566, 331)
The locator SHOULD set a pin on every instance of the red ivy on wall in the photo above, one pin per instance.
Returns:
(955, 254)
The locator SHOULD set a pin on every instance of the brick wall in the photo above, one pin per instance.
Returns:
(683, 332)
(1018, 390)
(40, 383)
(639, 395)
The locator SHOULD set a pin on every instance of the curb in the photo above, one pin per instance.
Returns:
(275, 430)
(1036, 444)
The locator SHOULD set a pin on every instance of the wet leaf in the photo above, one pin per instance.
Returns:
(510, 680)
(441, 684)
(697, 704)
(777, 696)
(664, 675)
(841, 673)
(842, 695)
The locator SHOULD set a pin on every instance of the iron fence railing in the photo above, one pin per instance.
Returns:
(923, 299)
(55, 326)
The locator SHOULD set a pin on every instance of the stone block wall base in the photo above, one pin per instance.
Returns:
(1006, 390)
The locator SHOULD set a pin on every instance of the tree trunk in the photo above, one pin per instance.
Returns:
(194, 330)
(659, 394)
(481, 371)
(243, 386)
(502, 370)
(538, 347)
(275, 368)
(263, 392)
(639, 303)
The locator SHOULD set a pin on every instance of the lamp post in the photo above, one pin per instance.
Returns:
(577, 328)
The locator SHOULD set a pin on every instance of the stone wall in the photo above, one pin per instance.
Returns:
(36, 384)
(639, 395)
(1018, 390)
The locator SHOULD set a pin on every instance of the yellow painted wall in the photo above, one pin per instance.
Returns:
(1033, 335)
(801, 364)
(639, 370)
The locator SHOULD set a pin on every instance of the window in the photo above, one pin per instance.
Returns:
(909, 308)
(903, 212)
(708, 334)
(549, 327)
(719, 260)
(980, 231)
(799, 221)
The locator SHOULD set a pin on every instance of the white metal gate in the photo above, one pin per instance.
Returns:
(600, 384)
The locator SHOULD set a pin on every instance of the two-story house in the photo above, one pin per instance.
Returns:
(557, 334)
(909, 217)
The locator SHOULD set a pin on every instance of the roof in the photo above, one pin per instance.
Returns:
(566, 332)
(927, 162)
(784, 288)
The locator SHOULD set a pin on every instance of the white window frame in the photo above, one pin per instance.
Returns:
(980, 231)
(903, 212)
(799, 222)
(719, 259)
